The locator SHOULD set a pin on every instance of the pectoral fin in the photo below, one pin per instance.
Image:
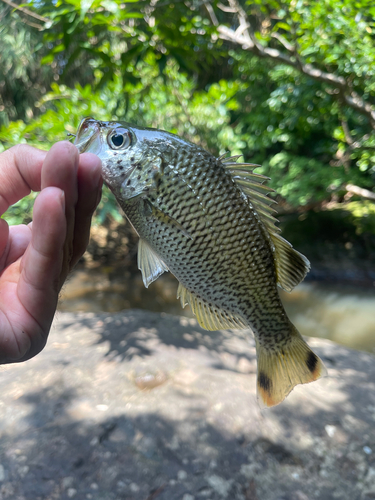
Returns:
(149, 263)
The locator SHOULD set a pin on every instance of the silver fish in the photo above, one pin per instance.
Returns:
(209, 221)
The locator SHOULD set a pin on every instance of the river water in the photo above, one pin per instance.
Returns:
(340, 313)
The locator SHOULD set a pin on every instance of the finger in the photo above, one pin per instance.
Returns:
(19, 239)
(89, 193)
(4, 242)
(60, 170)
(20, 173)
(4, 235)
(39, 283)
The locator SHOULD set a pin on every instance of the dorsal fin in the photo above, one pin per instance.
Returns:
(149, 263)
(252, 185)
(209, 316)
(291, 266)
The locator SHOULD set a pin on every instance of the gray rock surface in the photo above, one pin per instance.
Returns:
(146, 406)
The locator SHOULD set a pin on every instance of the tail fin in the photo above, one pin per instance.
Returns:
(280, 370)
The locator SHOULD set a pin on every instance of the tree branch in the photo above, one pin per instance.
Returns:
(242, 36)
(365, 193)
(26, 11)
(347, 133)
(211, 13)
(289, 47)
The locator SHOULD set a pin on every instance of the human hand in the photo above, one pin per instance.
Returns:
(36, 259)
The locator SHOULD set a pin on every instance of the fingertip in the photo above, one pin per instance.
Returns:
(91, 159)
(66, 145)
(60, 170)
(91, 165)
(66, 150)
(20, 172)
(89, 173)
(50, 198)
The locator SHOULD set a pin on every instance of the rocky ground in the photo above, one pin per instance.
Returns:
(146, 406)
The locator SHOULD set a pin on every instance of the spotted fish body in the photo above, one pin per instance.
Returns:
(208, 220)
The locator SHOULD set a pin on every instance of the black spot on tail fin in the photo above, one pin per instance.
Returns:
(312, 361)
(279, 370)
(264, 382)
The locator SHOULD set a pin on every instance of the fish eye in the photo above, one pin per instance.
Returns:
(119, 138)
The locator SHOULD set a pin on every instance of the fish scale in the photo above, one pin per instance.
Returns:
(240, 296)
(209, 221)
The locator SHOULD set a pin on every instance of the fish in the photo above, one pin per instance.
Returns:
(210, 222)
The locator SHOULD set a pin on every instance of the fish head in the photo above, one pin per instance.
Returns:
(132, 157)
(115, 144)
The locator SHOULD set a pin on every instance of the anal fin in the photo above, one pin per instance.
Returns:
(281, 370)
(209, 316)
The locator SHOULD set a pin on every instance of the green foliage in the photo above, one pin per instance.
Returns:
(363, 213)
(199, 116)
(324, 113)
(299, 179)
(296, 95)
(22, 79)
(21, 212)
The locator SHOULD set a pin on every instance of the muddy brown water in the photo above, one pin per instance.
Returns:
(343, 314)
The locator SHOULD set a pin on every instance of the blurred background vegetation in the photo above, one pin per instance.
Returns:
(288, 84)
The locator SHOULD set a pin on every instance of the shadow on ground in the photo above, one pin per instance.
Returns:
(139, 333)
(144, 406)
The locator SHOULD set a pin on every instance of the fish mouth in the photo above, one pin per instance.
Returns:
(88, 131)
